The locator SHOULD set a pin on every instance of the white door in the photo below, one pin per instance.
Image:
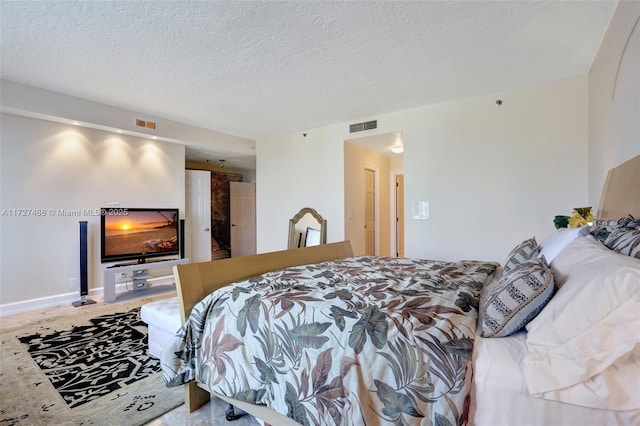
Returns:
(243, 218)
(198, 215)
(370, 212)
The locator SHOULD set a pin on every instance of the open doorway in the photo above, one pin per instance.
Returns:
(370, 194)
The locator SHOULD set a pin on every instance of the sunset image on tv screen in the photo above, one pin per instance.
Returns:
(147, 231)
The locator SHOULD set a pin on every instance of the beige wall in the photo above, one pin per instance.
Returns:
(356, 159)
(614, 97)
(48, 165)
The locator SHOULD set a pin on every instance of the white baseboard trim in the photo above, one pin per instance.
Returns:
(68, 298)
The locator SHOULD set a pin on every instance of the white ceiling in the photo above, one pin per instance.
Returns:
(380, 143)
(258, 69)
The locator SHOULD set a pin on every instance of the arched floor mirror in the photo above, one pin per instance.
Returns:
(307, 228)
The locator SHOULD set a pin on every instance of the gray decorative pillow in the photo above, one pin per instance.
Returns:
(519, 296)
(602, 228)
(521, 253)
(624, 241)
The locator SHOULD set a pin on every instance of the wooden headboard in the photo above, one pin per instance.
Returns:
(621, 191)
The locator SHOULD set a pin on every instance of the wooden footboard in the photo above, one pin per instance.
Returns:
(196, 280)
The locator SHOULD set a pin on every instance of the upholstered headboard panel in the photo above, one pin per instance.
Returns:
(621, 191)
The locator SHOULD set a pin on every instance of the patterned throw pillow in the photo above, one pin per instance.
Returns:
(602, 228)
(521, 253)
(519, 296)
(624, 241)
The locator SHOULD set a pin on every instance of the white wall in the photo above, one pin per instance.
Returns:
(614, 97)
(493, 175)
(293, 172)
(48, 165)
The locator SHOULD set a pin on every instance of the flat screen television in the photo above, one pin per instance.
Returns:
(138, 234)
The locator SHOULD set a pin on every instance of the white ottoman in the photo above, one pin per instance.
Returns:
(163, 319)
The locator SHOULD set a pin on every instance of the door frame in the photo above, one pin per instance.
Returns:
(392, 210)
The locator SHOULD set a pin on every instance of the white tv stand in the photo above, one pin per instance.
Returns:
(139, 274)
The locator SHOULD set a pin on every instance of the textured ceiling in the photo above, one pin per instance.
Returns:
(260, 69)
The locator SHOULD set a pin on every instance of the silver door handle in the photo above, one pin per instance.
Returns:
(206, 229)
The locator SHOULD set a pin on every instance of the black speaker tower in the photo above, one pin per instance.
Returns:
(181, 239)
(84, 271)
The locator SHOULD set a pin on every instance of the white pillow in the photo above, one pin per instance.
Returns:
(592, 320)
(615, 388)
(558, 240)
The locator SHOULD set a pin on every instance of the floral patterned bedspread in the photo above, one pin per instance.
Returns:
(362, 340)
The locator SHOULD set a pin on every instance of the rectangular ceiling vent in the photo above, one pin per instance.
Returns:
(146, 124)
(366, 125)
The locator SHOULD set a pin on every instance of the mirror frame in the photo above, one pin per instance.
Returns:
(292, 226)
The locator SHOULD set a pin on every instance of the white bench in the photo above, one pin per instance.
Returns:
(163, 319)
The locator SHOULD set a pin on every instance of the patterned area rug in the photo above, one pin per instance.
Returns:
(82, 371)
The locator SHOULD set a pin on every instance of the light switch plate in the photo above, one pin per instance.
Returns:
(421, 210)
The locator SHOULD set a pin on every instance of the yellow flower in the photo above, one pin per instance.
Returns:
(580, 217)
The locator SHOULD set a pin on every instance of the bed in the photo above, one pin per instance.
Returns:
(578, 361)
(317, 336)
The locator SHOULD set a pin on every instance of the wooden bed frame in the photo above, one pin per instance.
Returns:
(620, 196)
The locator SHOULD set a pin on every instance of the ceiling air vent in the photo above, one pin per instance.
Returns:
(366, 125)
(147, 124)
